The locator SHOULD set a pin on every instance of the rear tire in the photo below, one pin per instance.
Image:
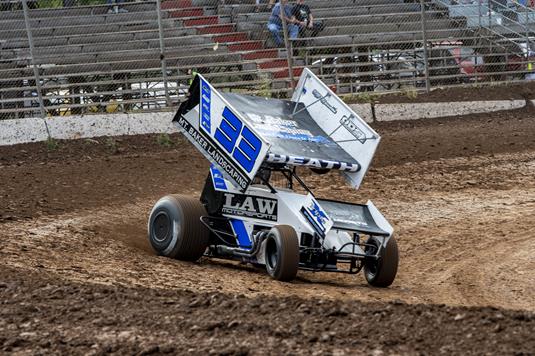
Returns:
(381, 272)
(175, 230)
(282, 253)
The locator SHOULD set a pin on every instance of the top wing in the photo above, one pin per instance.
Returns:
(295, 137)
(237, 133)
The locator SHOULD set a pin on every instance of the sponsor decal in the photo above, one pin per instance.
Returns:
(250, 206)
(323, 101)
(316, 216)
(319, 215)
(313, 162)
(217, 178)
(273, 126)
(263, 119)
(215, 154)
(351, 222)
(293, 134)
(348, 122)
(206, 97)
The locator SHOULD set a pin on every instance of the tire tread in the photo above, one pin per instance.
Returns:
(195, 235)
(290, 253)
(388, 266)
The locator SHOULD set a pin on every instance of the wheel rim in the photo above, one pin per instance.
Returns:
(272, 254)
(161, 227)
(371, 266)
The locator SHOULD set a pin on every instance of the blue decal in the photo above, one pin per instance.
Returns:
(318, 214)
(205, 106)
(217, 178)
(248, 149)
(296, 137)
(228, 131)
(249, 146)
(241, 233)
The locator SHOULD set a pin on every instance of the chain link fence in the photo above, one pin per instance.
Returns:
(419, 45)
(65, 57)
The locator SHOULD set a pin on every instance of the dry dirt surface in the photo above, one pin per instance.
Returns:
(77, 275)
(512, 91)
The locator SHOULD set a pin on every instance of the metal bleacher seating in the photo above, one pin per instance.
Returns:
(88, 59)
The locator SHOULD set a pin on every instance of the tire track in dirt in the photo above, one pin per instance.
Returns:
(457, 241)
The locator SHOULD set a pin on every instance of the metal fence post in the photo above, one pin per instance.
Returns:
(32, 60)
(424, 38)
(479, 12)
(162, 52)
(490, 13)
(526, 26)
(287, 44)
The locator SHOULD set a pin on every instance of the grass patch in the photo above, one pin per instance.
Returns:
(51, 144)
(111, 145)
(265, 87)
(367, 97)
(410, 93)
(164, 140)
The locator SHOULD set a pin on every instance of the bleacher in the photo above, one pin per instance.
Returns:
(90, 60)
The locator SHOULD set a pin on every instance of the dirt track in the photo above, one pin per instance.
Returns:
(76, 272)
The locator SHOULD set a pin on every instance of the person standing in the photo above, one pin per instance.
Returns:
(275, 22)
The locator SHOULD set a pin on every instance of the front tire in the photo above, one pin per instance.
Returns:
(382, 272)
(282, 253)
(175, 230)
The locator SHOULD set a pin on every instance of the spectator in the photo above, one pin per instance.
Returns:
(275, 22)
(305, 20)
(114, 7)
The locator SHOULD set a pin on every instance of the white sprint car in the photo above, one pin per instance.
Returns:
(246, 213)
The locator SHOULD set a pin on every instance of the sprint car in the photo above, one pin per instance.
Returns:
(255, 206)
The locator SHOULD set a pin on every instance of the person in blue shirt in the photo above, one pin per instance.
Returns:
(275, 22)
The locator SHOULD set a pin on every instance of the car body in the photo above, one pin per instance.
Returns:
(245, 214)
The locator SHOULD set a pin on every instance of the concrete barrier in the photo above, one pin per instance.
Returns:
(363, 110)
(72, 127)
(158, 122)
(22, 131)
(413, 111)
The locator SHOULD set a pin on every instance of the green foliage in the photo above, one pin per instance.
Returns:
(265, 86)
(410, 93)
(51, 144)
(111, 145)
(164, 140)
(364, 97)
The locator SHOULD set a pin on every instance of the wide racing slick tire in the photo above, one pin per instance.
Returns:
(175, 229)
(282, 253)
(381, 272)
